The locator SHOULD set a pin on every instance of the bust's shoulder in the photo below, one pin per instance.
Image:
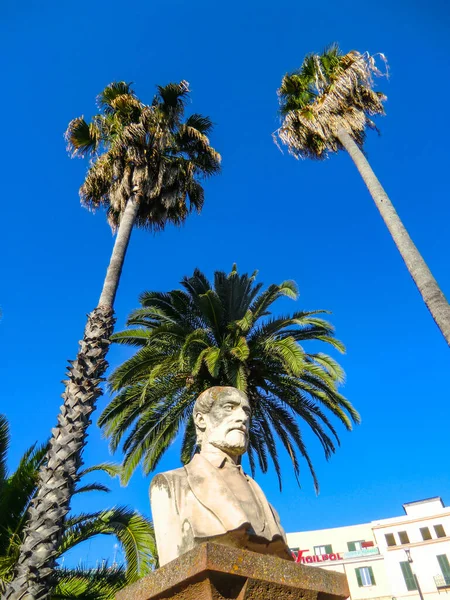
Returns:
(249, 478)
(169, 478)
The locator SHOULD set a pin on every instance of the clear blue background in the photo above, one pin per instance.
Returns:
(311, 222)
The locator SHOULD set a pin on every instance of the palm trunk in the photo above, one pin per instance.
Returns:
(58, 476)
(427, 285)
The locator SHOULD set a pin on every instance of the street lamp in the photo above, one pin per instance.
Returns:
(410, 560)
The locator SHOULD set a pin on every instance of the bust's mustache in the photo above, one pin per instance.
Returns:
(242, 428)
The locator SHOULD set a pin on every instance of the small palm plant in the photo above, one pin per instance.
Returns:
(133, 531)
(224, 334)
(146, 169)
(327, 105)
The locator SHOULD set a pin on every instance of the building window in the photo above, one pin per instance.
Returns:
(408, 576)
(390, 539)
(426, 535)
(445, 567)
(352, 546)
(364, 576)
(440, 531)
(320, 550)
(404, 539)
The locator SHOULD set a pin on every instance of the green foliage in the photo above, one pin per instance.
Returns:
(224, 334)
(147, 151)
(16, 491)
(133, 531)
(88, 584)
(330, 91)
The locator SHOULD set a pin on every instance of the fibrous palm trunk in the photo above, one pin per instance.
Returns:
(427, 285)
(36, 564)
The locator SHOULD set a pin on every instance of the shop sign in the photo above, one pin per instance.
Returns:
(299, 558)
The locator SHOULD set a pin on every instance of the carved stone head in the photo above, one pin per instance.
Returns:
(222, 419)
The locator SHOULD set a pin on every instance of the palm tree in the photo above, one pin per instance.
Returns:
(133, 532)
(146, 169)
(327, 106)
(224, 334)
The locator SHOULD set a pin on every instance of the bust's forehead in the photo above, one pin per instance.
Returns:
(235, 396)
(219, 396)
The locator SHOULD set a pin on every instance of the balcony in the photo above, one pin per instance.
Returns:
(442, 581)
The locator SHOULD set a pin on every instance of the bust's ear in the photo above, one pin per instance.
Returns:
(199, 420)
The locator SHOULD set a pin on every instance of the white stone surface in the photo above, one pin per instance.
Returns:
(211, 498)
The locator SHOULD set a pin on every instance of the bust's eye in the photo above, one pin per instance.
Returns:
(228, 407)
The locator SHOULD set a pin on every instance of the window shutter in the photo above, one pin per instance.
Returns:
(372, 578)
(444, 565)
(328, 549)
(390, 539)
(440, 531)
(358, 577)
(404, 539)
(351, 546)
(426, 535)
(408, 576)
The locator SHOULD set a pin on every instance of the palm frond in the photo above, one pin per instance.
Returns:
(18, 490)
(200, 122)
(4, 445)
(82, 138)
(223, 332)
(83, 583)
(133, 531)
(111, 469)
(106, 98)
(91, 487)
(330, 92)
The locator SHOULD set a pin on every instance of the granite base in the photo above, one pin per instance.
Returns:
(217, 572)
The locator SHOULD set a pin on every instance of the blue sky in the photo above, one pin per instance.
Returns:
(311, 222)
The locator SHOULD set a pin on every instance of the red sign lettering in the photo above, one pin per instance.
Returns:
(300, 558)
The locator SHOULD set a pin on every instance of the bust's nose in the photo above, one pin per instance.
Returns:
(241, 416)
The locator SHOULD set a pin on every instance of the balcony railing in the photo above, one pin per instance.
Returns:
(442, 581)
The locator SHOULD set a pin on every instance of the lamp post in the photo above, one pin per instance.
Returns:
(114, 563)
(410, 560)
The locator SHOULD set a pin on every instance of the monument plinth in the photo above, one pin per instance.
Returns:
(213, 571)
(218, 537)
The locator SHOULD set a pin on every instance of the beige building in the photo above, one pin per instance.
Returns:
(401, 557)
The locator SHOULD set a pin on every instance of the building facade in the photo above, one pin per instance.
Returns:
(390, 559)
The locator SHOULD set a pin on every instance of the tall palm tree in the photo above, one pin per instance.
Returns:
(133, 531)
(327, 106)
(224, 334)
(146, 169)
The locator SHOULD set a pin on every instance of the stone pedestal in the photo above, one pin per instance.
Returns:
(218, 572)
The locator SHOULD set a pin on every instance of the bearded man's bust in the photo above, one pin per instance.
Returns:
(211, 498)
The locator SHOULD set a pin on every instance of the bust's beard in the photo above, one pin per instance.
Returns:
(235, 442)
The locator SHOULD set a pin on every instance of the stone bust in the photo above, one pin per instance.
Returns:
(211, 498)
